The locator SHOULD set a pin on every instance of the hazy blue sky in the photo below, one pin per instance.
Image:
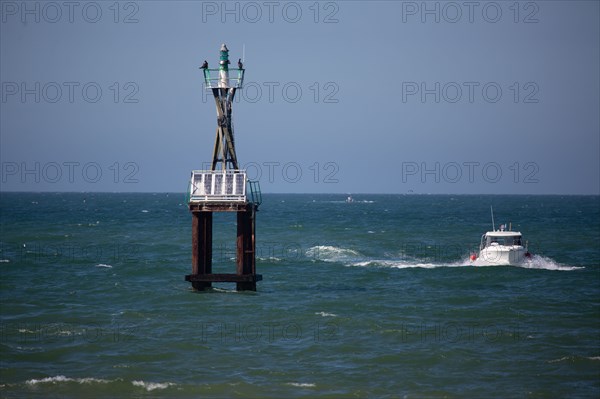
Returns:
(340, 96)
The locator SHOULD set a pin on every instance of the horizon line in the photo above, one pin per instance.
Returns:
(292, 193)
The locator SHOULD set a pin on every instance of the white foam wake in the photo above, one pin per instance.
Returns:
(542, 262)
(397, 264)
(535, 262)
(351, 257)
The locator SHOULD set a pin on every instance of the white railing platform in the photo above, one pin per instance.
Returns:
(218, 186)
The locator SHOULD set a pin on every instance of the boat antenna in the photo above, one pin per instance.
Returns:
(492, 210)
(244, 52)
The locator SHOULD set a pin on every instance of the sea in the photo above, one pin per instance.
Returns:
(375, 298)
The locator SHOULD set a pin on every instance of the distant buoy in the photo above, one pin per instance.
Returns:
(473, 257)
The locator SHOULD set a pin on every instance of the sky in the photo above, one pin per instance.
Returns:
(344, 97)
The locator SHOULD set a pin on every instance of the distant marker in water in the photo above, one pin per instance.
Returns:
(223, 189)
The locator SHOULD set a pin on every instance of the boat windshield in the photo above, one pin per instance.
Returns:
(503, 240)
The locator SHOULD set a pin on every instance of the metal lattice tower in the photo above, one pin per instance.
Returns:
(223, 87)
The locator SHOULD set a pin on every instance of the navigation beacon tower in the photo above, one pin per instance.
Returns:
(223, 189)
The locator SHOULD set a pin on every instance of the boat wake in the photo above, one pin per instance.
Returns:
(535, 262)
(353, 258)
(400, 264)
(542, 262)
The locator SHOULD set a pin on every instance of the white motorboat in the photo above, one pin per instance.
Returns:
(501, 247)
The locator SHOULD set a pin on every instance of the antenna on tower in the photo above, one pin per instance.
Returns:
(244, 53)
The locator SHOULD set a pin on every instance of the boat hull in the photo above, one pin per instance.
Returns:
(503, 255)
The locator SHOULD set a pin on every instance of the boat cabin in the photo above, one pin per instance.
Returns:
(505, 238)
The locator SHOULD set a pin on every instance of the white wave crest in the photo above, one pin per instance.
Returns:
(573, 359)
(329, 253)
(62, 378)
(151, 386)
(269, 259)
(148, 386)
(325, 314)
(302, 384)
(104, 265)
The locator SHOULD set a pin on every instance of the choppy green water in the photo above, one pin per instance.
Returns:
(375, 298)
